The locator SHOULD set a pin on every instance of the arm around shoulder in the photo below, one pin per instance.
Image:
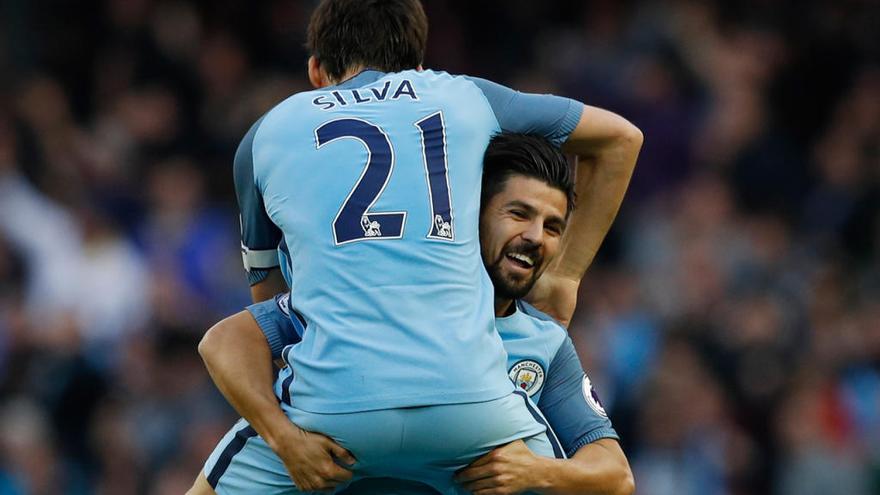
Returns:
(600, 130)
(607, 147)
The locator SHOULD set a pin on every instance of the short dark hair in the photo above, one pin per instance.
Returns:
(534, 156)
(388, 35)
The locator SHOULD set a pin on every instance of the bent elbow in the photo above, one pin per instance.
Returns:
(632, 136)
(627, 485)
(210, 341)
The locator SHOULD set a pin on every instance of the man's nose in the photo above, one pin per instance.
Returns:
(534, 233)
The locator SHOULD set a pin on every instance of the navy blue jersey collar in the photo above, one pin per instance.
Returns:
(366, 76)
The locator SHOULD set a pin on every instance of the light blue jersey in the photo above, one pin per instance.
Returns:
(542, 363)
(374, 187)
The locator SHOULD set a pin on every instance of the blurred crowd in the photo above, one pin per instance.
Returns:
(731, 323)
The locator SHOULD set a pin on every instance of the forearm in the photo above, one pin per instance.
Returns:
(239, 361)
(607, 147)
(267, 288)
(604, 168)
(598, 468)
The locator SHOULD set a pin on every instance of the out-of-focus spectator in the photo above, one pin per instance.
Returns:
(187, 246)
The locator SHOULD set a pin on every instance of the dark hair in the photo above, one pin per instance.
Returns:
(388, 35)
(511, 153)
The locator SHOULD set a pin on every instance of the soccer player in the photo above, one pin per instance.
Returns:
(527, 196)
(372, 180)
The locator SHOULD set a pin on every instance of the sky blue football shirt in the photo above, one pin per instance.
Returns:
(541, 361)
(374, 187)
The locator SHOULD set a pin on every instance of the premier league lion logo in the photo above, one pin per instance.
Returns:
(442, 228)
(371, 228)
(592, 397)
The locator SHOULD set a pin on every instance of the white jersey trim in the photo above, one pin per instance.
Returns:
(252, 258)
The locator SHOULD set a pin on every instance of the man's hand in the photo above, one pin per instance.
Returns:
(310, 459)
(507, 470)
(239, 359)
(555, 295)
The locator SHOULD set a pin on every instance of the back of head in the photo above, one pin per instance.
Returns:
(529, 155)
(388, 35)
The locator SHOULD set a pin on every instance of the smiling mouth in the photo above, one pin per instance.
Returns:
(521, 260)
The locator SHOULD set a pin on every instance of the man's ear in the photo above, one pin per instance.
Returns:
(317, 76)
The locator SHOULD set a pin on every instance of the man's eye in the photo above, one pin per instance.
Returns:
(518, 213)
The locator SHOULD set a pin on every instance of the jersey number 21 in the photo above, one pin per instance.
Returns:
(355, 221)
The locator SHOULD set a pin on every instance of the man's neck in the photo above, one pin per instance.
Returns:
(348, 75)
(504, 307)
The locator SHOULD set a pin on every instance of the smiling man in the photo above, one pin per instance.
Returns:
(527, 195)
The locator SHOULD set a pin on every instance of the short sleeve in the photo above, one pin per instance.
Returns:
(553, 117)
(273, 317)
(570, 404)
(259, 236)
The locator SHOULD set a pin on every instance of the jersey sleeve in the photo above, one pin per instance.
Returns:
(553, 117)
(273, 317)
(259, 236)
(570, 404)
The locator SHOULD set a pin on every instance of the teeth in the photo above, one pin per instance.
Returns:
(521, 257)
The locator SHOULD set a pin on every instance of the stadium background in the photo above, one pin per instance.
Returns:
(731, 324)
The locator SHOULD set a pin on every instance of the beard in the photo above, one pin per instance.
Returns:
(512, 285)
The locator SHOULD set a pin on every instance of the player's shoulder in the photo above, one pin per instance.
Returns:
(543, 324)
(293, 104)
(434, 75)
(443, 79)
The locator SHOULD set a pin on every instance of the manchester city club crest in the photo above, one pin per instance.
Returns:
(528, 376)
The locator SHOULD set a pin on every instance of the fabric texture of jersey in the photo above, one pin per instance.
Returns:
(243, 463)
(565, 395)
(398, 443)
(541, 361)
(375, 186)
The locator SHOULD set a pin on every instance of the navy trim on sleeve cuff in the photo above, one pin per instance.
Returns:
(572, 117)
(271, 331)
(256, 276)
(592, 437)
